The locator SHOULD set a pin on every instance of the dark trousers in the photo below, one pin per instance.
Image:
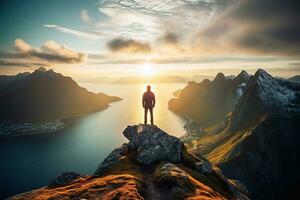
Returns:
(151, 115)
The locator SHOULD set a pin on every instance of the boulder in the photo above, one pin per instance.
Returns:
(153, 144)
(169, 176)
(204, 167)
(112, 158)
(63, 179)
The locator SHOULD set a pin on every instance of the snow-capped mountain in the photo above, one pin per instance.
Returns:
(266, 94)
(258, 143)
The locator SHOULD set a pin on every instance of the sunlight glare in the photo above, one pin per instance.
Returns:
(147, 69)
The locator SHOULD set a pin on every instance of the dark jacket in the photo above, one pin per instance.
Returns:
(148, 99)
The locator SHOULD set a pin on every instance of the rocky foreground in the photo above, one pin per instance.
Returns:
(152, 165)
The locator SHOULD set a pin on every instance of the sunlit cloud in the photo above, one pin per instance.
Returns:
(85, 17)
(180, 33)
(87, 35)
(151, 19)
(49, 53)
(13, 63)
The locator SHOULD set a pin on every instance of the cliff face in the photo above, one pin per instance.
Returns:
(258, 138)
(45, 95)
(152, 165)
(209, 102)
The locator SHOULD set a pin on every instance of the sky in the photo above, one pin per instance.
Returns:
(92, 38)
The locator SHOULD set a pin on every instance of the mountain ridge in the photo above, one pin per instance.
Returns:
(210, 95)
(46, 95)
(254, 142)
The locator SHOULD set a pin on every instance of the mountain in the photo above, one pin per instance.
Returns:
(210, 101)
(45, 95)
(258, 142)
(295, 78)
(152, 165)
(267, 95)
(6, 80)
(177, 93)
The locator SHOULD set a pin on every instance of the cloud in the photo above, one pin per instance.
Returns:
(142, 19)
(169, 38)
(85, 17)
(21, 64)
(50, 52)
(171, 44)
(82, 34)
(128, 46)
(269, 27)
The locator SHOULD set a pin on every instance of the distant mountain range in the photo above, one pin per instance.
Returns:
(214, 98)
(45, 95)
(249, 128)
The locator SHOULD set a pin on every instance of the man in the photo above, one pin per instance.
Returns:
(148, 103)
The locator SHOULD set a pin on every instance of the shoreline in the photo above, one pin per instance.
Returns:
(189, 126)
(65, 123)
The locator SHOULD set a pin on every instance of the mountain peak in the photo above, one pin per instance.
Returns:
(243, 74)
(41, 69)
(44, 72)
(262, 73)
(263, 78)
(220, 76)
(269, 95)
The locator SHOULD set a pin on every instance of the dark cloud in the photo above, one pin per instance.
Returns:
(259, 26)
(128, 46)
(21, 64)
(169, 38)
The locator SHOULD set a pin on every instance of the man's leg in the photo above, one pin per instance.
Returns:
(145, 115)
(151, 114)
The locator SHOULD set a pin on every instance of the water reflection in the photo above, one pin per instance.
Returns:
(31, 161)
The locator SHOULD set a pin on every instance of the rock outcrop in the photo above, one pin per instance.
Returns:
(153, 144)
(152, 165)
(63, 179)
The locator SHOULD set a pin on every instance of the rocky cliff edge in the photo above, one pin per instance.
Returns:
(152, 165)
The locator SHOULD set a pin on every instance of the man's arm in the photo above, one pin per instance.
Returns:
(153, 101)
(143, 100)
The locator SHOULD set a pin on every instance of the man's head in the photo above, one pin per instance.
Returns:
(148, 87)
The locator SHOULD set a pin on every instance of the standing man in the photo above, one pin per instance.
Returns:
(148, 103)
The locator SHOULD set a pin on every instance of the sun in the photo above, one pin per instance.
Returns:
(147, 69)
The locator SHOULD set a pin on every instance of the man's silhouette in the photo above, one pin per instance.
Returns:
(148, 103)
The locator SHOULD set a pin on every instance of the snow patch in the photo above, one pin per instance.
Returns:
(277, 92)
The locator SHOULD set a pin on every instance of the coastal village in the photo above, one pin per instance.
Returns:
(9, 128)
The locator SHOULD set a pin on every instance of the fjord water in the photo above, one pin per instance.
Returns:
(29, 162)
